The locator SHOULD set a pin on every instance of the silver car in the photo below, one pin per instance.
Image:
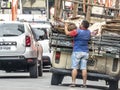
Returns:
(19, 50)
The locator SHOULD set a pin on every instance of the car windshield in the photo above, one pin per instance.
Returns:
(7, 29)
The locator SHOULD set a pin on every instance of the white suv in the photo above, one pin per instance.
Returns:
(42, 29)
(19, 50)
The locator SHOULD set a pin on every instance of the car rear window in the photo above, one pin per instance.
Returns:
(8, 29)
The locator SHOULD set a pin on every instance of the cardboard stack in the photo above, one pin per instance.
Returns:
(108, 43)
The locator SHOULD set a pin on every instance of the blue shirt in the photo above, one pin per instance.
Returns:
(81, 38)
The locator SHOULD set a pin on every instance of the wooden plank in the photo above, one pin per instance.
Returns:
(58, 9)
(110, 29)
(113, 21)
(84, 6)
(75, 10)
(111, 26)
(88, 4)
(116, 13)
(88, 15)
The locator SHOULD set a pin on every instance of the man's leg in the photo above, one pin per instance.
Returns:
(84, 75)
(74, 74)
(75, 63)
(84, 68)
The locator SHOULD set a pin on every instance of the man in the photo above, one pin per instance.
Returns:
(80, 50)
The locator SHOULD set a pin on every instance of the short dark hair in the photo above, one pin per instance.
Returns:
(85, 24)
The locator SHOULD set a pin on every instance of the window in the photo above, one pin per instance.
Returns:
(11, 29)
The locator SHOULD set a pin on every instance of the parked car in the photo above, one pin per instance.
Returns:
(42, 30)
(19, 50)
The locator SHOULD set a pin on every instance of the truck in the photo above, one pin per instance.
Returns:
(103, 62)
(104, 54)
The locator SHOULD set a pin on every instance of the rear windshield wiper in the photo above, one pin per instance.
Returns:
(21, 30)
(10, 35)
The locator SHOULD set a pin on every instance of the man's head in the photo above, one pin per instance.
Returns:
(84, 24)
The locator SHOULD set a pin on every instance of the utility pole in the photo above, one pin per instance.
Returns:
(14, 9)
(47, 4)
(20, 6)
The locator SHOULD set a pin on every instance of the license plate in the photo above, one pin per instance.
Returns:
(7, 48)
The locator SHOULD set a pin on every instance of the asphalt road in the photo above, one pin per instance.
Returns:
(21, 81)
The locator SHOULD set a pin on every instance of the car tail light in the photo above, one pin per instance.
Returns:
(57, 57)
(29, 60)
(28, 41)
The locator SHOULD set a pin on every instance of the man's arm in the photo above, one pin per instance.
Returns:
(70, 33)
(66, 29)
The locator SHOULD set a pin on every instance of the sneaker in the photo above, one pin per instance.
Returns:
(83, 86)
(72, 85)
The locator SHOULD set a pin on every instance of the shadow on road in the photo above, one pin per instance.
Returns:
(14, 77)
(89, 86)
